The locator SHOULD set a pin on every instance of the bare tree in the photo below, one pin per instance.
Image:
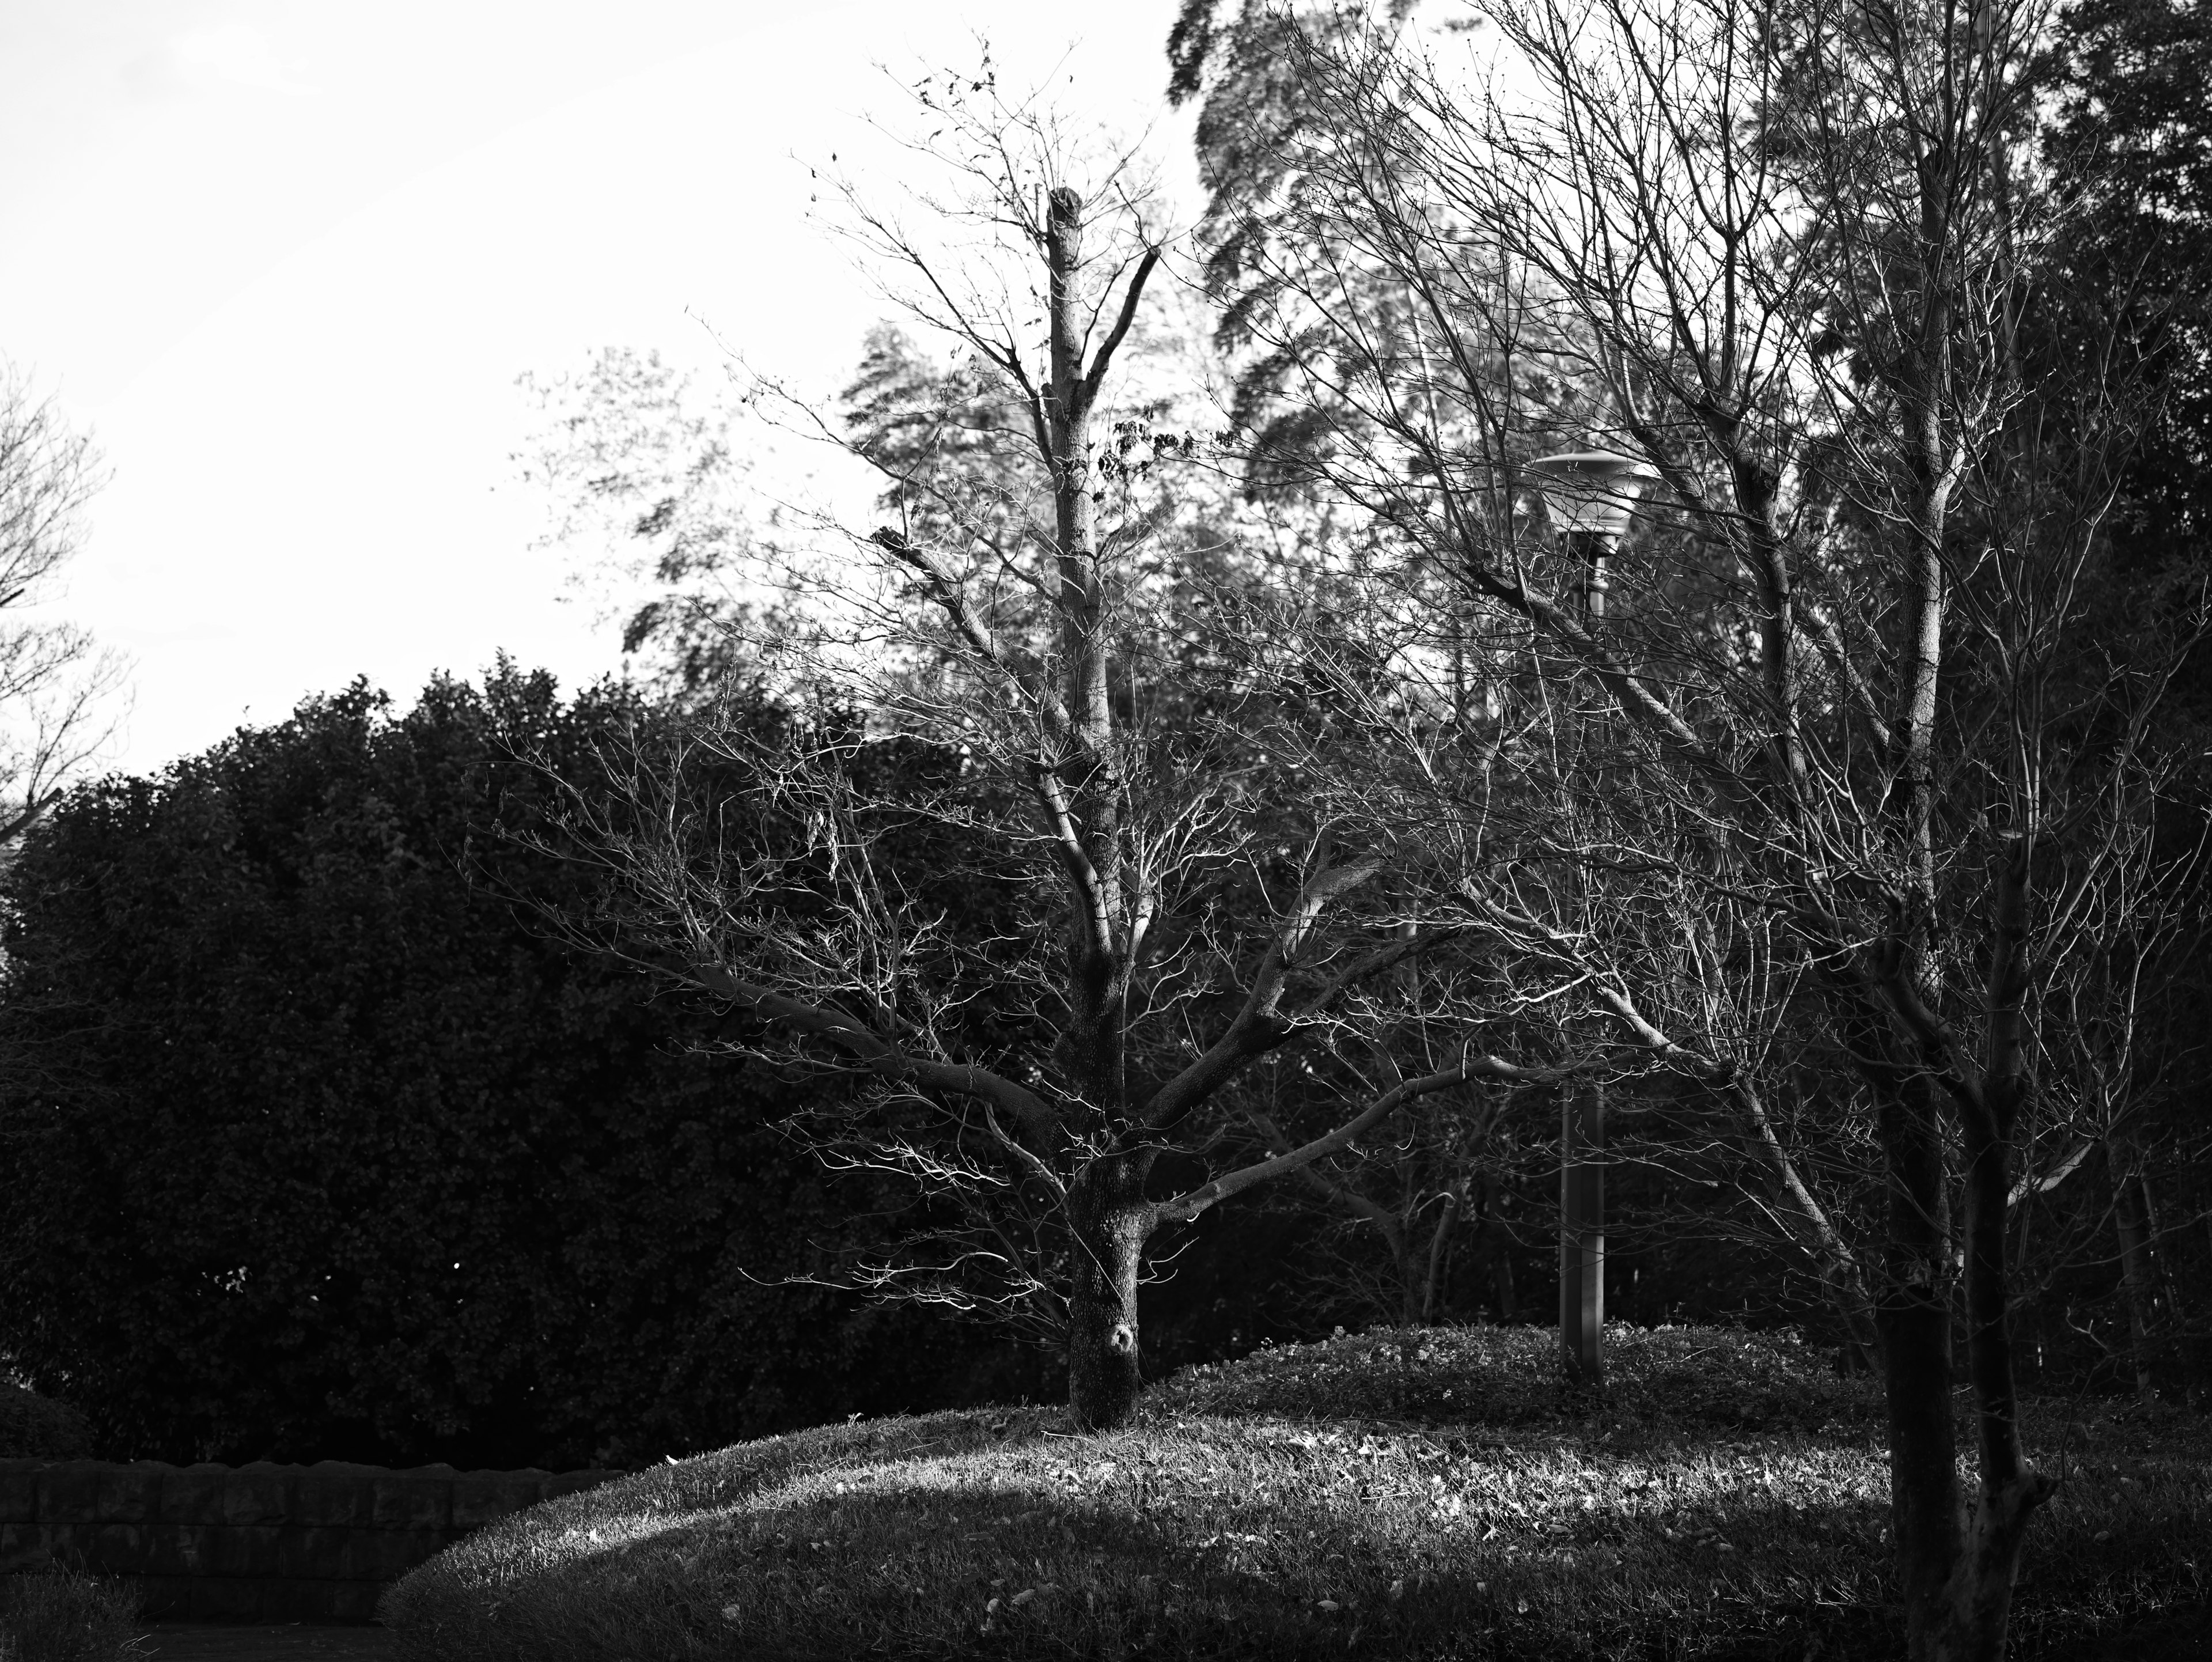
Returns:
(1847, 742)
(1043, 910)
(56, 687)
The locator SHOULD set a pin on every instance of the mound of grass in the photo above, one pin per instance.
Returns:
(1436, 1494)
(65, 1615)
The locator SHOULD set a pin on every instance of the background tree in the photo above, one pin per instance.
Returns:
(323, 1149)
(56, 686)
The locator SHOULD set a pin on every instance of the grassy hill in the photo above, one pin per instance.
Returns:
(1441, 1494)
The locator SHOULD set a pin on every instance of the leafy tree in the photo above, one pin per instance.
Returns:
(324, 1147)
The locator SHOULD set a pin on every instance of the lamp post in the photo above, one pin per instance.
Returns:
(1588, 496)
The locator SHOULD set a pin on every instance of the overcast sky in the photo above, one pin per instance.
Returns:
(286, 259)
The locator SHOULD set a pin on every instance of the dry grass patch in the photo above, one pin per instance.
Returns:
(1442, 1497)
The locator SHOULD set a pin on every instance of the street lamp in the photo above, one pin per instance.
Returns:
(1588, 496)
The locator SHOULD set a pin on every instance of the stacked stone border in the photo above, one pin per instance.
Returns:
(260, 1543)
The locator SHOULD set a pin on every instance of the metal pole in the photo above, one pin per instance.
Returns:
(1582, 1129)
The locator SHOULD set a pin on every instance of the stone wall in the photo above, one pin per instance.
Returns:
(256, 1542)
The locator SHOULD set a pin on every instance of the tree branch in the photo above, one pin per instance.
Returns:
(873, 1054)
(1259, 1026)
(1186, 1206)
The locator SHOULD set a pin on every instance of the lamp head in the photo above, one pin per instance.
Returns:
(1591, 490)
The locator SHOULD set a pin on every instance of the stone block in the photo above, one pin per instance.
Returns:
(131, 1493)
(70, 1545)
(182, 1550)
(223, 1599)
(481, 1496)
(339, 1601)
(312, 1554)
(306, 1600)
(164, 1596)
(22, 1549)
(117, 1549)
(419, 1499)
(385, 1555)
(249, 1550)
(330, 1495)
(194, 1495)
(69, 1493)
(259, 1493)
(19, 1491)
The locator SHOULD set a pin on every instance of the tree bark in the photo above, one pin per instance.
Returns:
(1110, 1221)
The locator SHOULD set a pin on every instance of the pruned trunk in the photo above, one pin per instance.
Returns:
(1501, 1258)
(2134, 1265)
(1110, 1221)
(1439, 1255)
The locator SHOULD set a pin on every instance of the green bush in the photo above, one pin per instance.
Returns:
(65, 1615)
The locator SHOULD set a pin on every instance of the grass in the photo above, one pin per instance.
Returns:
(65, 1615)
(1441, 1495)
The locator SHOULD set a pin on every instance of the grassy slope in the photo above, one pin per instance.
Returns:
(1727, 1498)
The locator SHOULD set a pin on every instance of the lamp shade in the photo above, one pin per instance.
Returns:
(1591, 490)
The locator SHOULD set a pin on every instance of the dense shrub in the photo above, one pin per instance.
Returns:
(35, 1427)
(320, 1145)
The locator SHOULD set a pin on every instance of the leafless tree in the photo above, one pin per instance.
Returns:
(1831, 726)
(1005, 686)
(58, 688)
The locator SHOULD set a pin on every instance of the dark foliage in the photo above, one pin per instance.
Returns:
(38, 1427)
(321, 1146)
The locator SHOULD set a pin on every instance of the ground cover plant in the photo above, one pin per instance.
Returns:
(1422, 1492)
(67, 1616)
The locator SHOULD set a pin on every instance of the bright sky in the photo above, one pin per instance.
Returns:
(286, 259)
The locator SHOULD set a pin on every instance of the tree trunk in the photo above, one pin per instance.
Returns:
(1110, 1220)
(2135, 1263)
(1912, 1315)
(1977, 1600)
(1439, 1254)
(1501, 1258)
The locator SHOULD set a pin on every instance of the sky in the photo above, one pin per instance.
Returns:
(286, 259)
